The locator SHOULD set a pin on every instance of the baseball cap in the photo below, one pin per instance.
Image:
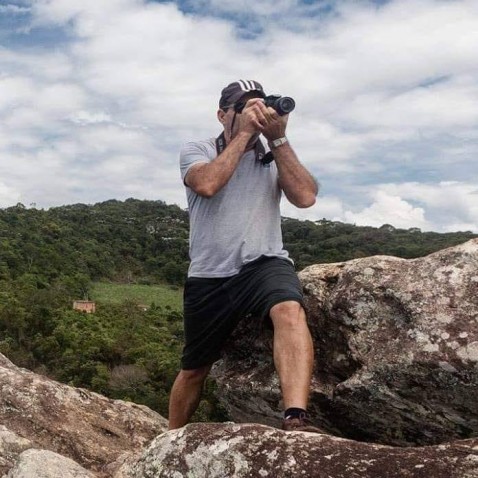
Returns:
(233, 92)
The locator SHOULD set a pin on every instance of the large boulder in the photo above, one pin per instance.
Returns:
(396, 351)
(257, 451)
(46, 464)
(96, 432)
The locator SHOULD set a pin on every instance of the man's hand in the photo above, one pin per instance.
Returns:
(276, 125)
(249, 121)
(263, 119)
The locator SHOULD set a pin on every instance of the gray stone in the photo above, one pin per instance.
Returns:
(46, 464)
(396, 351)
(93, 430)
(256, 451)
(11, 445)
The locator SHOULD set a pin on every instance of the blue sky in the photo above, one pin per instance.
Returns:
(96, 99)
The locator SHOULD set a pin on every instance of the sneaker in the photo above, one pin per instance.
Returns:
(301, 424)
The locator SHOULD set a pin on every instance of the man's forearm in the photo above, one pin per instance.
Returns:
(210, 178)
(298, 184)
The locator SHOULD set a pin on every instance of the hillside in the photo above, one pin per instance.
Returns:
(48, 258)
(147, 241)
(121, 241)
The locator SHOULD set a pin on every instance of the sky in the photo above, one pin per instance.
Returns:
(97, 98)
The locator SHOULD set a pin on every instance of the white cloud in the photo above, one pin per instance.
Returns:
(388, 209)
(86, 117)
(8, 195)
(13, 9)
(445, 206)
(103, 114)
(450, 202)
(264, 7)
(449, 105)
(325, 207)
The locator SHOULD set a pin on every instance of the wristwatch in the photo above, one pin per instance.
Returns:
(278, 142)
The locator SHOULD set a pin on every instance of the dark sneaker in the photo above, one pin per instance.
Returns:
(301, 424)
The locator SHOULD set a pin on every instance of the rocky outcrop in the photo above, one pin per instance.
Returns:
(396, 350)
(256, 451)
(96, 432)
(46, 464)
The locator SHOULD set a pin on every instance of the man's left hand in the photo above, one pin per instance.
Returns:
(273, 125)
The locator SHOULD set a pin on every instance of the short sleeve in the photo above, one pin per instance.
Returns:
(192, 153)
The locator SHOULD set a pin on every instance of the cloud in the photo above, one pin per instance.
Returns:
(388, 209)
(444, 207)
(385, 94)
(8, 196)
(453, 203)
(13, 9)
(86, 117)
(445, 107)
(326, 207)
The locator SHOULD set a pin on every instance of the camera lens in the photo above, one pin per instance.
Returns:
(285, 105)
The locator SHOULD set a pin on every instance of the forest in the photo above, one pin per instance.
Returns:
(48, 258)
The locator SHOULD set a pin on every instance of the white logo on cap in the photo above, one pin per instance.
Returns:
(247, 85)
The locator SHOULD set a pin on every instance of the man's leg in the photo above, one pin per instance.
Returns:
(185, 395)
(293, 353)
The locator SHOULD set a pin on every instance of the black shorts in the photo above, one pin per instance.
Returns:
(214, 306)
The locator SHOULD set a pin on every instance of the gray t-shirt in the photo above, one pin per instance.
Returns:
(239, 223)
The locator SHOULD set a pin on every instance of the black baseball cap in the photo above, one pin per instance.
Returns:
(233, 92)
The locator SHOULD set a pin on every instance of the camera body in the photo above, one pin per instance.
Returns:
(282, 104)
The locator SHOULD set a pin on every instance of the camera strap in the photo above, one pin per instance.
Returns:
(259, 149)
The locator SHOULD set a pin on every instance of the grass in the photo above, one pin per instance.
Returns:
(162, 295)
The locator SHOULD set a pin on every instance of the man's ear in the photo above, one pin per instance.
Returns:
(221, 116)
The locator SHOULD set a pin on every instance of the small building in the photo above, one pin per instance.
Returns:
(85, 306)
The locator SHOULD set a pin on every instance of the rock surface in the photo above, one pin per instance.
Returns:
(91, 429)
(256, 451)
(46, 464)
(396, 350)
(11, 445)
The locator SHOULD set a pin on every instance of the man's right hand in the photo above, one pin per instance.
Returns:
(257, 117)
(252, 119)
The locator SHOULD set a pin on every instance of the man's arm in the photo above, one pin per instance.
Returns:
(206, 179)
(298, 184)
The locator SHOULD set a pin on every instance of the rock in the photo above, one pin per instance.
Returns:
(11, 445)
(92, 430)
(257, 451)
(46, 464)
(396, 351)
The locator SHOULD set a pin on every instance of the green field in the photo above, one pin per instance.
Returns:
(161, 295)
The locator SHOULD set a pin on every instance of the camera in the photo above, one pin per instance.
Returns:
(282, 104)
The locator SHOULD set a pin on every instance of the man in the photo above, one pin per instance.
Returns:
(239, 267)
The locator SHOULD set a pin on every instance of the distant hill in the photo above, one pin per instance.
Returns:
(147, 241)
(124, 241)
(332, 241)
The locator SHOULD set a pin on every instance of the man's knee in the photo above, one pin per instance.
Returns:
(288, 314)
(196, 375)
